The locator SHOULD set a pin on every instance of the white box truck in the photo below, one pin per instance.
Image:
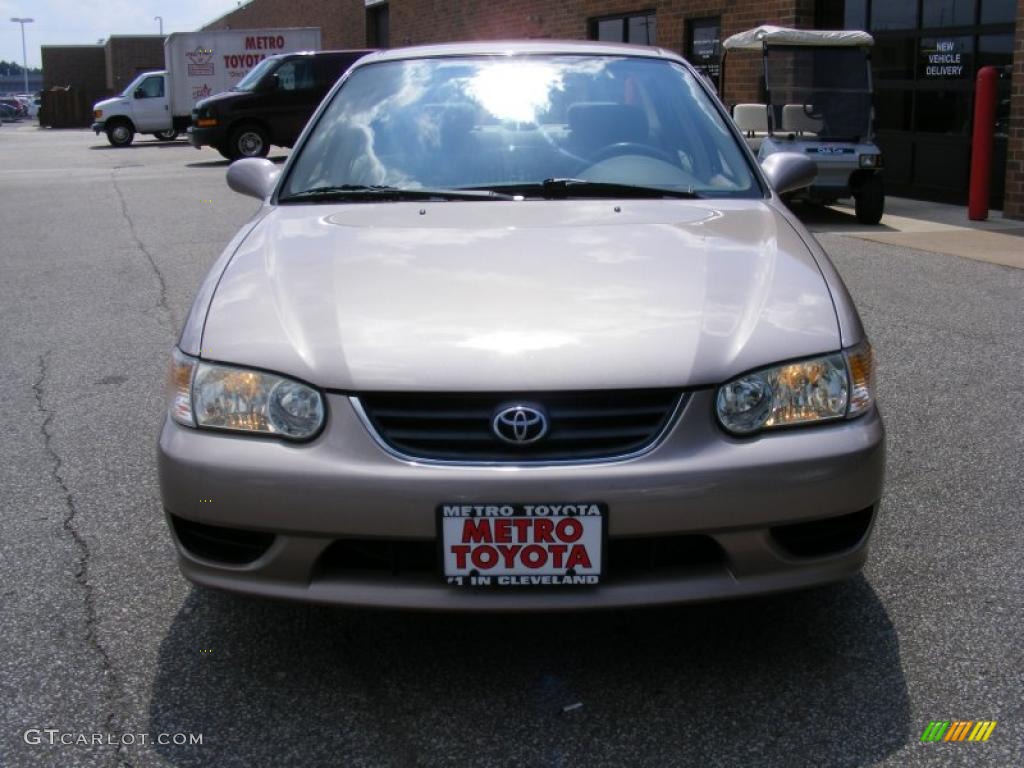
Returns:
(196, 65)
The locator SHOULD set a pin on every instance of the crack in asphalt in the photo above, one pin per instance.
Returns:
(84, 552)
(162, 302)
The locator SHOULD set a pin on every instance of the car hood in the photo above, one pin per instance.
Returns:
(532, 295)
(220, 99)
(115, 101)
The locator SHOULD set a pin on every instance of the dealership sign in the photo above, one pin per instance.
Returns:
(943, 60)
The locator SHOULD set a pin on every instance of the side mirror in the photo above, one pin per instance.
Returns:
(253, 176)
(270, 83)
(139, 93)
(788, 171)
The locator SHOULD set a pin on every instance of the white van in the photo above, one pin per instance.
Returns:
(142, 108)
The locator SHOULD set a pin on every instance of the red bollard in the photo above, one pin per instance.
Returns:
(985, 93)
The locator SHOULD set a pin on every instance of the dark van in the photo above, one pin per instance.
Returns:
(270, 105)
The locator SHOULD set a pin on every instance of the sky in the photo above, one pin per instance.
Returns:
(83, 22)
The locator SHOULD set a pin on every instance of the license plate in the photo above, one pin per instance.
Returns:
(522, 545)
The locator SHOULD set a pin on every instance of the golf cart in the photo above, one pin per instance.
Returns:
(818, 88)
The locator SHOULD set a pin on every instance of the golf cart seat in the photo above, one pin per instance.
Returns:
(796, 120)
(752, 120)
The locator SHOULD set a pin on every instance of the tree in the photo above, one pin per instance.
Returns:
(12, 68)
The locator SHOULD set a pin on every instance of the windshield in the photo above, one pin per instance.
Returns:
(822, 93)
(253, 77)
(516, 123)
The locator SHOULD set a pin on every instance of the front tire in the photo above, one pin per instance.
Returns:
(869, 201)
(120, 133)
(248, 141)
(170, 135)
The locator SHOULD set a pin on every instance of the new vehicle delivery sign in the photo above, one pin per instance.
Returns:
(522, 544)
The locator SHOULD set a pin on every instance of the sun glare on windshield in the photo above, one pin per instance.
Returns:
(515, 90)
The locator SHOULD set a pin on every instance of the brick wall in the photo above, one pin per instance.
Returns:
(1013, 201)
(342, 22)
(80, 66)
(84, 69)
(128, 55)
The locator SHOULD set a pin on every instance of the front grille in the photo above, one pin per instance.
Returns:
(582, 425)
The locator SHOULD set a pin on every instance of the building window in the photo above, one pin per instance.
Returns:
(998, 11)
(377, 25)
(841, 14)
(898, 15)
(637, 28)
(704, 46)
(947, 13)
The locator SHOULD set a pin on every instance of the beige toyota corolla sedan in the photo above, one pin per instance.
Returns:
(521, 326)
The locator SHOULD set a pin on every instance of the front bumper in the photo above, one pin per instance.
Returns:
(98, 128)
(204, 137)
(697, 481)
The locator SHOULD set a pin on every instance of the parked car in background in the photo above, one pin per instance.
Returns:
(9, 113)
(16, 107)
(270, 105)
(521, 326)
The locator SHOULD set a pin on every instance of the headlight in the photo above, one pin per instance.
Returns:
(870, 161)
(826, 388)
(223, 397)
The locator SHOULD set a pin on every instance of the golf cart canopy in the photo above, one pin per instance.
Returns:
(756, 39)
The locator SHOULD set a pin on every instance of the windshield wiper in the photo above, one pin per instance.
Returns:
(357, 192)
(568, 187)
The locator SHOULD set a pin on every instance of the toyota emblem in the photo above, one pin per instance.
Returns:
(520, 424)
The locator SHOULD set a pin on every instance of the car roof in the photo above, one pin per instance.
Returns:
(520, 47)
(340, 52)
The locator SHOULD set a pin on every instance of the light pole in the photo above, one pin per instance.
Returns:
(161, 20)
(24, 56)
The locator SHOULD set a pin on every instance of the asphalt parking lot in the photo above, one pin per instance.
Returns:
(101, 251)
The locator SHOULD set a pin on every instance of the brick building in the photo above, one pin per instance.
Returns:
(923, 119)
(87, 73)
(78, 66)
(129, 55)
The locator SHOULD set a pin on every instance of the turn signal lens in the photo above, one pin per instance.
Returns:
(97, 113)
(206, 122)
(228, 398)
(860, 361)
(179, 388)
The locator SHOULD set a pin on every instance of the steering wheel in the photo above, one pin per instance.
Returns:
(632, 148)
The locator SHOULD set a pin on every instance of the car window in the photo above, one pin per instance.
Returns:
(296, 75)
(480, 121)
(152, 87)
(255, 75)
